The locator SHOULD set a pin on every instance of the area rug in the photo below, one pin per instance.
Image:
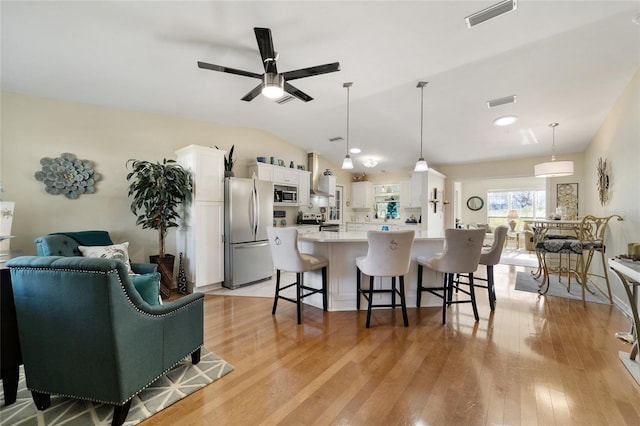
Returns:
(184, 379)
(526, 282)
(518, 257)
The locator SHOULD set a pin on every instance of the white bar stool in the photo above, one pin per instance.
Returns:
(461, 255)
(389, 255)
(283, 243)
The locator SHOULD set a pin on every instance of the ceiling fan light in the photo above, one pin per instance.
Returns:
(347, 163)
(272, 85)
(421, 165)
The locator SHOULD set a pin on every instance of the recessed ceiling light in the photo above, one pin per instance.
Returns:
(506, 120)
(355, 150)
(636, 20)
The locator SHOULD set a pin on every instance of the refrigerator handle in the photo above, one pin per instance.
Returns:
(254, 209)
(258, 212)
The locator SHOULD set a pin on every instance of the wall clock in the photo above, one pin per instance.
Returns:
(475, 203)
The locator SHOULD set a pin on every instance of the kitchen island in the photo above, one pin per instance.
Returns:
(342, 248)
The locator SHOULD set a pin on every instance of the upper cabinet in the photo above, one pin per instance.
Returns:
(386, 201)
(206, 165)
(327, 184)
(286, 176)
(304, 187)
(361, 195)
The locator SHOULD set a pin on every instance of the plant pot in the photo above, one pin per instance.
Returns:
(165, 267)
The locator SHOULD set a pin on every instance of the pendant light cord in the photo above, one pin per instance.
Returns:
(421, 118)
(553, 140)
(348, 119)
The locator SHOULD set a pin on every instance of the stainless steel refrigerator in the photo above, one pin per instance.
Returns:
(248, 210)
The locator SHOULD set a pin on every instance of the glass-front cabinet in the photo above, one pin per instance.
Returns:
(386, 201)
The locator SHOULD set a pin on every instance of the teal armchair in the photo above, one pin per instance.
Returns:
(86, 333)
(66, 244)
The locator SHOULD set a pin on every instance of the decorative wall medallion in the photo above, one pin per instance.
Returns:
(603, 181)
(67, 175)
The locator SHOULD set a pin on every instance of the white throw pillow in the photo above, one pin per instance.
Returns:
(117, 251)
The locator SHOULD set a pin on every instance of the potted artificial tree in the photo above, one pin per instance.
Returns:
(158, 190)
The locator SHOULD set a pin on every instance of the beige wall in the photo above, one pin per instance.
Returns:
(618, 141)
(33, 128)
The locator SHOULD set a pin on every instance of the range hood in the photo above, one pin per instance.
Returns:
(312, 165)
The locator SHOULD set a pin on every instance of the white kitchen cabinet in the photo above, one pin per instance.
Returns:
(200, 236)
(304, 187)
(361, 195)
(208, 182)
(262, 171)
(328, 184)
(416, 190)
(285, 176)
(201, 241)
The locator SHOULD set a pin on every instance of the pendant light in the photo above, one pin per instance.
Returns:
(421, 165)
(347, 164)
(554, 168)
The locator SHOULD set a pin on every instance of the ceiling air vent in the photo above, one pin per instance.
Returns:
(501, 101)
(491, 12)
(336, 139)
(284, 99)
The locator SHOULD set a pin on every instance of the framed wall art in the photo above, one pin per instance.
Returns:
(567, 199)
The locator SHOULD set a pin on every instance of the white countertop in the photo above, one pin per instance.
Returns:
(352, 236)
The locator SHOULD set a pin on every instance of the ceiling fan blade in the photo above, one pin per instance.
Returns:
(220, 68)
(311, 71)
(253, 93)
(294, 91)
(267, 52)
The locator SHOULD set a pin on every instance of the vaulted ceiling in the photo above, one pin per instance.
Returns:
(566, 61)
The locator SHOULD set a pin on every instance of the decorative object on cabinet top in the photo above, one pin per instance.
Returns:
(67, 175)
(228, 162)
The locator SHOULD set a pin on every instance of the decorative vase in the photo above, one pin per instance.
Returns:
(328, 172)
(182, 276)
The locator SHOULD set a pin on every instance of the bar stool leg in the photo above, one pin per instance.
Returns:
(445, 291)
(299, 284)
(492, 289)
(473, 297)
(324, 288)
(370, 300)
(358, 288)
(393, 292)
(403, 302)
(275, 299)
(419, 295)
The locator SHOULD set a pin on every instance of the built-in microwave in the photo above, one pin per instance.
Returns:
(285, 194)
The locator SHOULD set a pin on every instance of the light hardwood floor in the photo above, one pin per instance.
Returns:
(534, 361)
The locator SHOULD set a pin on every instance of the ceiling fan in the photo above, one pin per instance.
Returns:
(273, 84)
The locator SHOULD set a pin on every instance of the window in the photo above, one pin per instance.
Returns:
(528, 204)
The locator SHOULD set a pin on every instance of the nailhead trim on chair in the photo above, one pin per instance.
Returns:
(113, 402)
